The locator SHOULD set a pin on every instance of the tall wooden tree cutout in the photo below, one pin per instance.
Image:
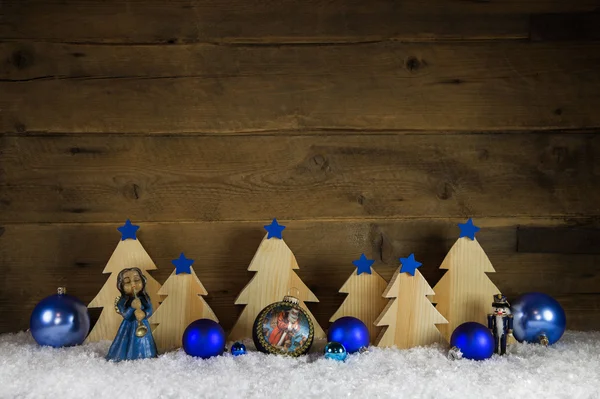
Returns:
(364, 301)
(129, 253)
(183, 304)
(410, 317)
(274, 264)
(465, 292)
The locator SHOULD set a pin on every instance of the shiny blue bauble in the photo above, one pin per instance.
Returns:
(474, 340)
(204, 338)
(350, 332)
(59, 320)
(536, 315)
(238, 349)
(335, 351)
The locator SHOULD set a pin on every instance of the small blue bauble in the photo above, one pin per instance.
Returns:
(204, 338)
(238, 349)
(59, 320)
(474, 340)
(335, 351)
(536, 315)
(350, 332)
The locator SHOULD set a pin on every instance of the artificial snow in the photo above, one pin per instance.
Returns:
(568, 369)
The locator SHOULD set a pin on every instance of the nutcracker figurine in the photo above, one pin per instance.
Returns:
(501, 323)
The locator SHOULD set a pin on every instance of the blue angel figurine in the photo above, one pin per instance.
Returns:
(134, 339)
(500, 323)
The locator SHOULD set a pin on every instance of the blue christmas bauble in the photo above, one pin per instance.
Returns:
(204, 338)
(474, 340)
(238, 349)
(335, 351)
(537, 315)
(59, 320)
(350, 332)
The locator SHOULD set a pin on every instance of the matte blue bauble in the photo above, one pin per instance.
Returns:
(474, 340)
(350, 332)
(536, 315)
(238, 349)
(204, 338)
(335, 351)
(59, 320)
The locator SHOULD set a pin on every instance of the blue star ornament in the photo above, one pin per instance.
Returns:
(409, 265)
(128, 230)
(363, 264)
(274, 229)
(182, 264)
(468, 229)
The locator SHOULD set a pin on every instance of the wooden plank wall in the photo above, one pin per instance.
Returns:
(364, 126)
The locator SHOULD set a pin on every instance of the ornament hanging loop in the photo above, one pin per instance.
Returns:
(292, 295)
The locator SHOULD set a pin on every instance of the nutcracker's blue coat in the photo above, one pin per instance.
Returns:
(126, 345)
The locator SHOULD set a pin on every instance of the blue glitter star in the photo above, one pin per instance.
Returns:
(363, 264)
(182, 264)
(128, 230)
(274, 229)
(468, 229)
(409, 265)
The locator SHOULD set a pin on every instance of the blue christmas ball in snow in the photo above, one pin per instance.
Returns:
(204, 338)
(335, 351)
(538, 318)
(59, 320)
(474, 340)
(238, 349)
(350, 332)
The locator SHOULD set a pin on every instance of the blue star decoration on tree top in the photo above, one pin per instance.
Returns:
(363, 264)
(409, 265)
(468, 229)
(182, 264)
(274, 229)
(128, 230)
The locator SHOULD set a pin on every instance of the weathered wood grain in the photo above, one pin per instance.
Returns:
(558, 240)
(271, 21)
(203, 178)
(572, 27)
(365, 87)
(36, 258)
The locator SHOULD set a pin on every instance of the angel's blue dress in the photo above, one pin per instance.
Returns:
(126, 345)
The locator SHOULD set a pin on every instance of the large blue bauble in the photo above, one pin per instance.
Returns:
(59, 320)
(335, 351)
(204, 338)
(535, 315)
(350, 332)
(474, 340)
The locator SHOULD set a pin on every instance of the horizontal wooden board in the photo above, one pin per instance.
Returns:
(210, 89)
(95, 178)
(558, 240)
(271, 21)
(36, 258)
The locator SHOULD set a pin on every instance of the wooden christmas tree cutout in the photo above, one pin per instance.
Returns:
(274, 264)
(465, 292)
(410, 317)
(364, 301)
(129, 253)
(183, 304)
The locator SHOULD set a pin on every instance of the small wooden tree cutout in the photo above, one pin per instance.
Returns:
(129, 253)
(364, 301)
(410, 317)
(465, 292)
(183, 304)
(274, 264)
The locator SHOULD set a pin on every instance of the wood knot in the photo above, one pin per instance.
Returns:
(413, 64)
(558, 111)
(21, 59)
(322, 162)
(20, 128)
(445, 191)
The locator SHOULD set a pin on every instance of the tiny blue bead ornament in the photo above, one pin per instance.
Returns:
(204, 338)
(538, 318)
(473, 340)
(59, 320)
(352, 333)
(335, 351)
(238, 349)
